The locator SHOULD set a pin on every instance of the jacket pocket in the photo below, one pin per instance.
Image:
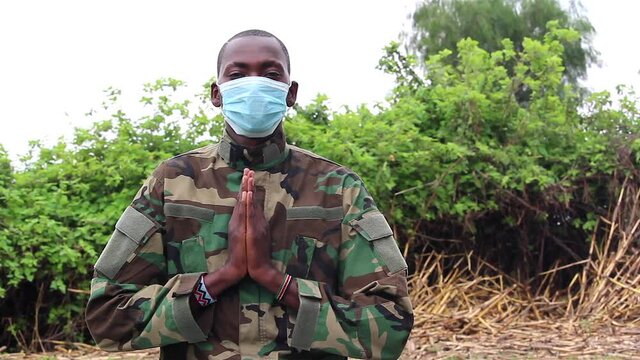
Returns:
(302, 250)
(187, 256)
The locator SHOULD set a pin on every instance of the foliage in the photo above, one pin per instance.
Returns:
(460, 160)
(6, 176)
(61, 209)
(440, 24)
(455, 161)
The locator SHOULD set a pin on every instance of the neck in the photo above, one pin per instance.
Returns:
(251, 142)
(256, 153)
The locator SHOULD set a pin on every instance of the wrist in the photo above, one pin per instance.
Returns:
(233, 271)
(201, 293)
(261, 271)
(258, 267)
(267, 276)
(220, 280)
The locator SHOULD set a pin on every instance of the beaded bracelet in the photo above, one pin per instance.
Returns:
(283, 287)
(203, 297)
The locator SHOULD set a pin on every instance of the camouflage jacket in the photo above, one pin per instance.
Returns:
(327, 233)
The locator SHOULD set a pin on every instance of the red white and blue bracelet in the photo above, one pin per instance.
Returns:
(203, 297)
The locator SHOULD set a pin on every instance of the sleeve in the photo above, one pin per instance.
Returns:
(370, 315)
(132, 304)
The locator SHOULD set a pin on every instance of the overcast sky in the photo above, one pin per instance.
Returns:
(56, 57)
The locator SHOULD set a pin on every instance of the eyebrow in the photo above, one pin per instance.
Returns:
(264, 64)
(270, 63)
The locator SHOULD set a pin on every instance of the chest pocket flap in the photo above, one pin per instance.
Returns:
(188, 211)
(186, 256)
(374, 227)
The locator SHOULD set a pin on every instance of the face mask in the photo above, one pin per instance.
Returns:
(254, 105)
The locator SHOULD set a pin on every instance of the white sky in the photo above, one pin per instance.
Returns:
(56, 57)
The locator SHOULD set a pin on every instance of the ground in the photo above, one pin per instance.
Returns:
(535, 341)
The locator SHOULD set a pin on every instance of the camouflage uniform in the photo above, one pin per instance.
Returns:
(327, 233)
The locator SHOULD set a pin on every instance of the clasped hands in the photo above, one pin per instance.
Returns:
(249, 237)
(249, 246)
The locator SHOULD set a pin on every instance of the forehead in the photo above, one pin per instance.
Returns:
(253, 49)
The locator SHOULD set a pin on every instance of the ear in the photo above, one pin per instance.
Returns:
(292, 95)
(216, 100)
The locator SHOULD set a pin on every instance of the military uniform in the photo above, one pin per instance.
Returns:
(326, 232)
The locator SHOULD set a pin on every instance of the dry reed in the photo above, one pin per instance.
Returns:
(464, 312)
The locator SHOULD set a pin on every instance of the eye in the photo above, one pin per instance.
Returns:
(272, 74)
(235, 75)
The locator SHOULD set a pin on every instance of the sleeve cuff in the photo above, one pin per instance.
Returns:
(186, 284)
(187, 325)
(308, 313)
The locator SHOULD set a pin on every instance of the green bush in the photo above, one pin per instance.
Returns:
(60, 209)
(456, 160)
(461, 163)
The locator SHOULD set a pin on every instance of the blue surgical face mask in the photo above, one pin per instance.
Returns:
(254, 105)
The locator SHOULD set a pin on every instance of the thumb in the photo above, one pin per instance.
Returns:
(242, 212)
(241, 205)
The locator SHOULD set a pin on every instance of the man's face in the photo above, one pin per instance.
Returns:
(254, 56)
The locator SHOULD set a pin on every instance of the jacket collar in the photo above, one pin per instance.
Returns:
(269, 154)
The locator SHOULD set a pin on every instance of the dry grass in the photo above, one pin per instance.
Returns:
(464, 312)
(81, 351)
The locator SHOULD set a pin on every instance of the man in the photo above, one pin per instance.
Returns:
(252, 248)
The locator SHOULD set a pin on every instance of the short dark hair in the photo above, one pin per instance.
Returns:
(253, 32)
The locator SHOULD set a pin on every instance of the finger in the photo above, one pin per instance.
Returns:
(251, 184)
(249, 204)
(246, 215)
(245, 178)
(242, 186)
(248, 188)
(241, 207)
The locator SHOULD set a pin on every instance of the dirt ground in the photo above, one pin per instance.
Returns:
(543, 342)
(546, 342)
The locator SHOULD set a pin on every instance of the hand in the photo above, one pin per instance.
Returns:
(237, 233)
(235, 269)
(258, 247)
(258, 236)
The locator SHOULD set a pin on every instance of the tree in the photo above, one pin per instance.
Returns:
(440, 24)
(460, 165)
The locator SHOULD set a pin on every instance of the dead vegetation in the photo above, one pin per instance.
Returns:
(66, 351)
(476, 310)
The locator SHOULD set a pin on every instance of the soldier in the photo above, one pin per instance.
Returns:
(251, 247)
